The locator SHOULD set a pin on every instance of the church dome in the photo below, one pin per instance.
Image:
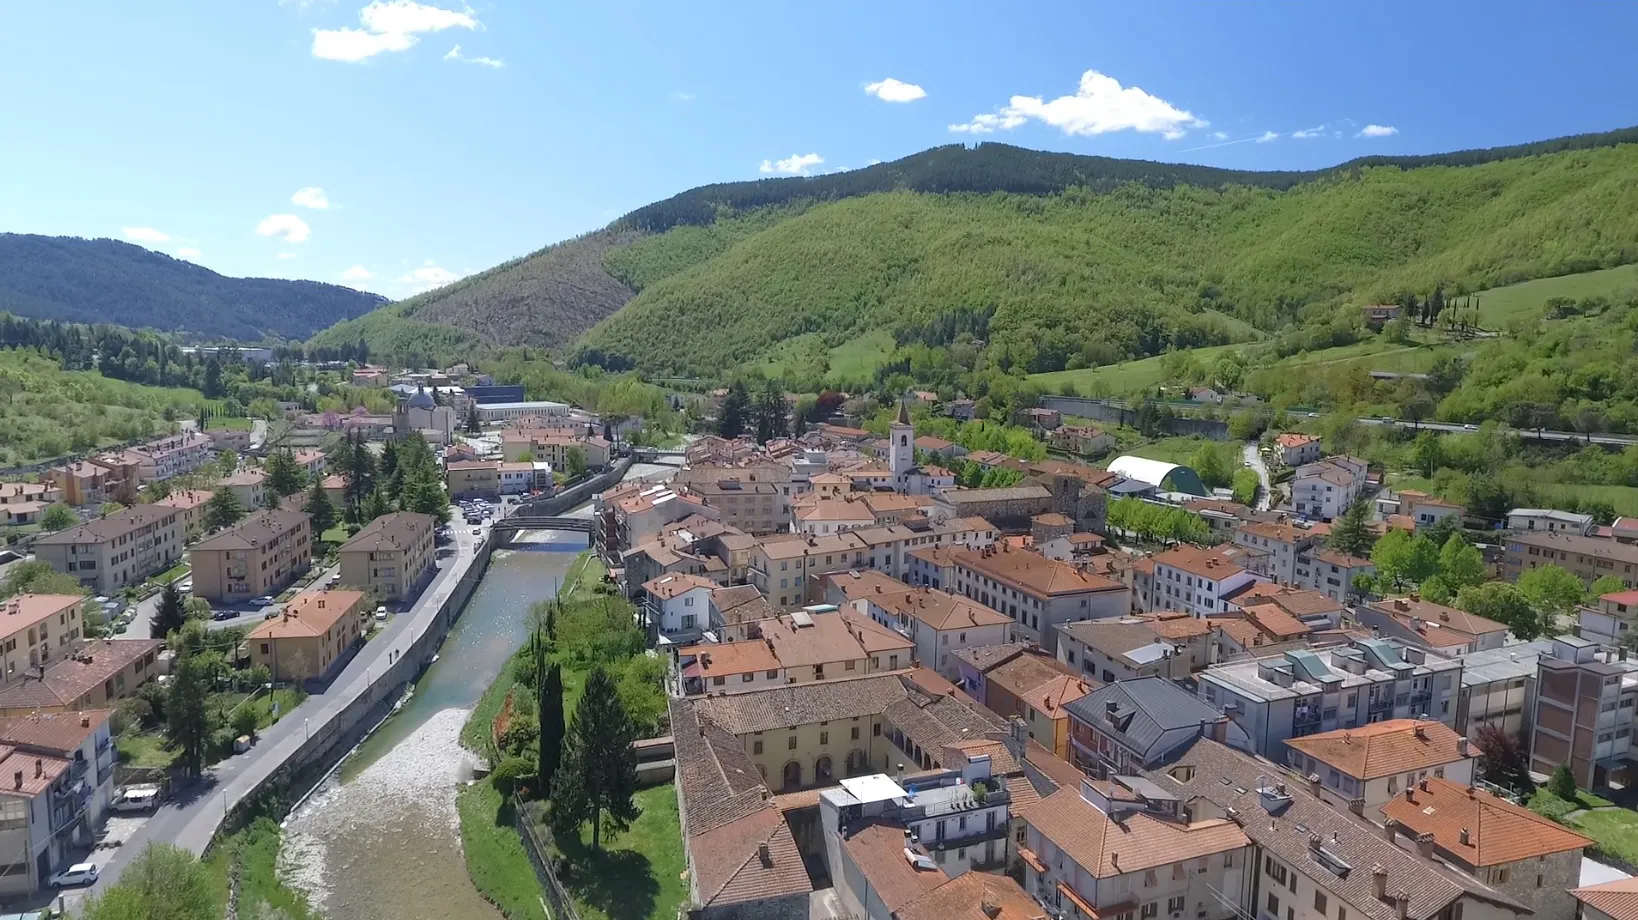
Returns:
(421, 400)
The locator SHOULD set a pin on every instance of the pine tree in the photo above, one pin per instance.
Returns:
(171, 613)
(358, 465)
(284, 477)
(319, 508)
(736, 410)
(473, 423)
(375, 505)
(1350, 535)
(770, 412)
(187, 711)
(597, 778)
(390, 470)
(223, 509)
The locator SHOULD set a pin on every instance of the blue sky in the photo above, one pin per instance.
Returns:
(345, 142)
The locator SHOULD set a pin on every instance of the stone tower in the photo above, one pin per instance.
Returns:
(901, 450)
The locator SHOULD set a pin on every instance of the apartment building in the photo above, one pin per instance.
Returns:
(1419, 509)
(191, 503)
(1303, 692)
(121, 549)
(1129, 725)
(1310, 861)
(1036, 688)
(823, 517)
(56, 780)
(1610, 620)
(789, 572)
(1525, 856)
(93, 675)
(248, 484)
(1330, 573)
(1309, 607)
(84, 483)
(1199, 582)
(736, 612)
(313, 637)
(1499, 688)
(816, 646)
(1038, 593)
(1366, 767)
(1128, 647)
(1284, 543)
(36, 630)
(937, 623)
(1128, 848)
(473, 479)
(1298, 449)
(179, 453)
(1585, 696)
(1439, 629)
(1587, 558)
(729, 667)
(1549, 520)
(262, 554)
(311, 462)
(1324, 490)
(391, 556)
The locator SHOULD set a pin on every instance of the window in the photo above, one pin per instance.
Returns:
(824, 737)
(1174, 905)
(876, 730)
(1275, 871)
(1342, 912)
(747, 677)
(790, 743)
(1273, 906)
(1228, 860)
(1319, 901)
(1150, 909)
(1149, 882)
(756, 747)
(716, 681)
(854, 733)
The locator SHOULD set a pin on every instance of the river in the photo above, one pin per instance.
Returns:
(381, 840)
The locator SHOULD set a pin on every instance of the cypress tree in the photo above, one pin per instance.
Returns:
(597, 777)
(551, 725)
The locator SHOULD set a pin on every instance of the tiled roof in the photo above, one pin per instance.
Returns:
(1299, 602)
(188, 498)
(259, 529)
(803, 704)
(828, 640)
(1031, 572)
(1196, 561)
(1618, 899)
(60, 732)
(877, 848)
(1478, 828)
(68, 679)
(1050, 697)
(1384, 748)
(941, 610)
(980, 496)
(1289, 827)
(934, 723)
(1174, 624)
(974, 896)
(107, 528)
(677, 584)
(1275, 622)
(873, 637)
(983, 658)
(310, 613)
(1116, 638)
(21, 611)
(1106, 848)
(868, 583)
(722, 659)
(1278, 533)
(1576, 543)
(1437, 618)
(1027, 671)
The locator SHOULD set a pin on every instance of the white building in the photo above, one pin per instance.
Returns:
(489, 413)
(938, 623)
(56, 780)
(1325, 489)
(1550, 520)
(1284, 543)
(1611, 620)
(678, 606)
(1197, 581)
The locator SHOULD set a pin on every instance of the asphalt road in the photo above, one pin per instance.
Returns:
(1545, 435)
(191, 817)
(1254, 459)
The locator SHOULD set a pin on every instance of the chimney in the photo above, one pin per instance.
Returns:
(39, 767)
(85, 721)
(1424, 845)
(1421, 732)
(1313, 843)
(1390, 827)
(764, 854)
(17, 779)
(1461, 747)
(990, 905)
(1467, 839)
(1313, 784)
(1402, 897)
(1379, 882)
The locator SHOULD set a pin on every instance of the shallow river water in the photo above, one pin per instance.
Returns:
(381, 840)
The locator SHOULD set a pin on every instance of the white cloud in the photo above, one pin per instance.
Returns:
(145, 235)
(287, 227)
(891, 90)
(872, 161)
(1267, 136)
(357, 273)
(1219, 135)
(188, 252)
(456, 55)
(1377, 131)
(681, 96)
(389, 25)
(1303, 134)
(285, 256)
(311, 197)
(1100, 105)
(427, 277)
(797, 164)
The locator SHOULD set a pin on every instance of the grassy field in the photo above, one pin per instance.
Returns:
(495, 857)
(144, 750)
(636, 875)
(1615, 829)
(171, 574)
(1502, 305)
(1121, 378)
(1171, 450)
(1624, 499)
(856, 360)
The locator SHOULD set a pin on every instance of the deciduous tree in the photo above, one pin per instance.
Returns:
(187, 711)
(223, 509)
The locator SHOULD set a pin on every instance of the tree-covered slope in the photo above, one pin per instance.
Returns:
(107, 281)
(1081, 277)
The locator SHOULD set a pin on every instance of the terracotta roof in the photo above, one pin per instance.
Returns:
(836, 509)
(828, 640)
(1031, 572)
(1478, 828)
(1106, 848)
(802, 704)
(394, 531)
(66, 680)
(1279, 533)
(60, 732)
(1294, 439)
(673, 585)
(118, 524)
(873, 637)
(188, 498)
(1299, 602)
(259, 529)
(1437, 620)
(721, 659)
(1341, 560)
(1620, 597)
(310, 613)
(1174, 624)
(1027, 671)
(28, 774)
(21, 611)
(941, 610)
(983, 658)
(1384, 748)
(868, 583)
(935, 723)
(974, 896)
(1049, 698)
(1274, 621)
(1618, 899)
(877, 848)
(247, 476)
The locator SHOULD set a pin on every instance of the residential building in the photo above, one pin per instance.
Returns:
(312, 637)
(1440, 629)
(1550, 520)
(856, 589)
(1310, 861)
(1330, 573)
(1080, 439)
(826, 646)
(1298, 449)
(1325, 489)
(1365, 767)
(730, 667)
(1284, 542)
(1419, 508)
(959, 818)
(1131, 725)
(1196, 581)
(56, 781)
(95, 675)
(29, 493)
(391, 555)
(128, 472)
(36, 630)
(176, 454)
(121, 549)
(1311, 608)
(1036, 689)
(1499, 688)
(1126, 847)
(474, 479)
(1124, 648)
(1303, 692)
(1036, 592)
(191, 502)
(787, 570)
(751, 505)
(736, 612)
(1610, 620)
(84, 483)
(1530, 858)
(248, 484)
(1585, 697)
(1617, 900)
(262, 554)
(824, 517)
(234, 439)
(678, 607)
(938, 623)
(517, 478)
(1587, 558)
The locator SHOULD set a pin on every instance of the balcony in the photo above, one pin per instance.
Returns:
(68, 806)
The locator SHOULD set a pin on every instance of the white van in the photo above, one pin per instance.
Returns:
(137, 798)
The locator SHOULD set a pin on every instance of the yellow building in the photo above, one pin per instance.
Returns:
(311, 637)
(390, 555)
(37, 629)
(259, 555)
(95, 676)
(192, 505)
(474, 479)
(118, 550)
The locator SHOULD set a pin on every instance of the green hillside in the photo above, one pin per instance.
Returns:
(1083, 279)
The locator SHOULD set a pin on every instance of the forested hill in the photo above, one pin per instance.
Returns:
(106, 281)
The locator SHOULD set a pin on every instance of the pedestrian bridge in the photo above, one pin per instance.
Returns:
(508, 527)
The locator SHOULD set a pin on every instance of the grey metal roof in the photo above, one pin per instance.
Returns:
(1155, 706)
(1504, 663)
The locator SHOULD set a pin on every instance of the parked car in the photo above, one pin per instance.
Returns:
(381, 613)
(223, 615)
(75, 875)
(262, 601)
(137, 798)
